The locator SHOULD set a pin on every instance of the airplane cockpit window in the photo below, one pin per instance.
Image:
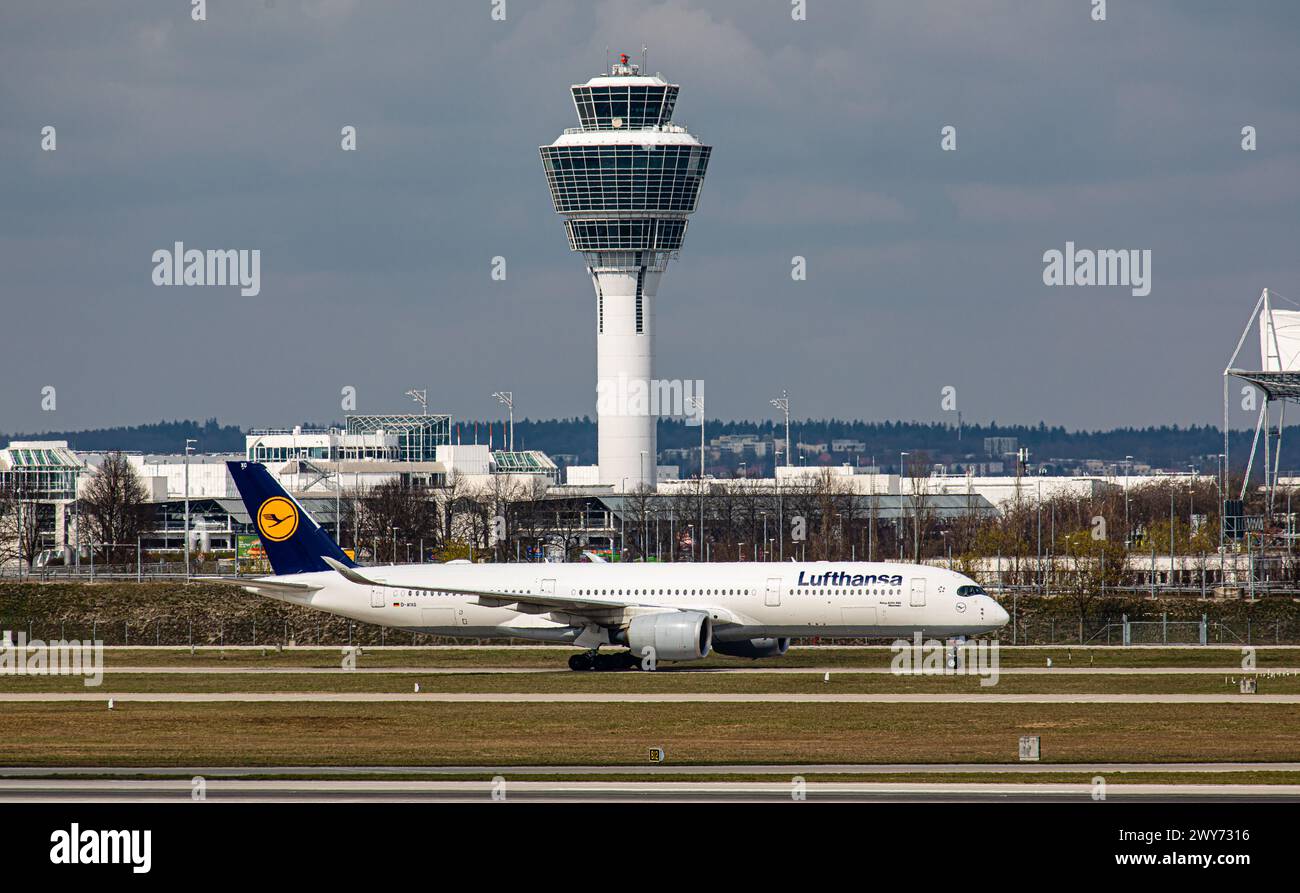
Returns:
(965, 591)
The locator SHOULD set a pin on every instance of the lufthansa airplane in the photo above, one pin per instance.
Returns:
(674, 611)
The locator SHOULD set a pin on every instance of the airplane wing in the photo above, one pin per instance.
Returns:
(270, 586)
(538, 602)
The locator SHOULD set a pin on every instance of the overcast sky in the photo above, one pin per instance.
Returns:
(925, 267)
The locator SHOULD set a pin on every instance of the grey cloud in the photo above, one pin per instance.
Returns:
(924, 266)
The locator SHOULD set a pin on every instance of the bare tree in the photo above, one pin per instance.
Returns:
(114, 508)
(1092, 565)
(20, 527)
(567, 524)
(395, 513)
(638, 504)
(450, 499)
(527, 513)
(916, 476)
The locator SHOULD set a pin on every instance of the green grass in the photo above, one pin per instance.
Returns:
(423, 734)
(557, 658)
(648, 683)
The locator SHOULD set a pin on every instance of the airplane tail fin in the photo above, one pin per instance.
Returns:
(294, 542)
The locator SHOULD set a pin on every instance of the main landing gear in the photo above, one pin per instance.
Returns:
(594, 660)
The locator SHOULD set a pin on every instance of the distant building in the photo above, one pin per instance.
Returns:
(1001, 446)
(741, 444)
(39, 478)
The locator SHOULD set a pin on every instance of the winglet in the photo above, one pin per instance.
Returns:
(349, 574)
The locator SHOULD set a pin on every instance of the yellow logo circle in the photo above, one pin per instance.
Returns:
(277, 519)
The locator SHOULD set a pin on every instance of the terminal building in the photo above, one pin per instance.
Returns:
(321, 467)
(38, 484)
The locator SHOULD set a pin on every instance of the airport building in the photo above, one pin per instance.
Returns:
(38, 487)
(321, 467)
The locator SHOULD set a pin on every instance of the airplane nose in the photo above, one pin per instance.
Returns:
(998, 614)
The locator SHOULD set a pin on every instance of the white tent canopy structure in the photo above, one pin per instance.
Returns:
(1277, 377)
(1279, 339)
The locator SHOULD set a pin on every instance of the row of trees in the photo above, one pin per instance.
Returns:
(497, 520)
(816, 518)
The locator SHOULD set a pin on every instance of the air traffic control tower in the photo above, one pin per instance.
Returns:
(625, 181)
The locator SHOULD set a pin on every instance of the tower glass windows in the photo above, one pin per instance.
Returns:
(625, 107)
(625, 178)
(626, 234)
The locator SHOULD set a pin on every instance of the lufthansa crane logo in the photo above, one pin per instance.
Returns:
(277, 519)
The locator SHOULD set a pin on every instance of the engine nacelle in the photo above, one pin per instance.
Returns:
(754, 648)
(674, 635)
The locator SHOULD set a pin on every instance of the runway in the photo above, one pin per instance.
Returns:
(677, 671)
(783, 769)
(631, 698)
(83, 791)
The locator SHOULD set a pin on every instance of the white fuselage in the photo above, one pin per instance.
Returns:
(746, 600)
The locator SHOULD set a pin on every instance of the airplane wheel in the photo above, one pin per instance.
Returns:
(584, 662)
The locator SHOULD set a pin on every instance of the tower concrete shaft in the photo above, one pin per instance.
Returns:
(625, 182)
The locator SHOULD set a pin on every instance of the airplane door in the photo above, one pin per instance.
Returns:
(377, 596)
(548, 587)
(772, 598)
(918, 592)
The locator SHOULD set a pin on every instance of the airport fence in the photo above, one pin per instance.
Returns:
(208, 632)
(88, 572)
(333, 631)
(1119, 633)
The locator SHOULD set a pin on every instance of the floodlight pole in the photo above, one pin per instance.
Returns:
(698, 404)
(420, 396)
(1223, 474)
(902, 510)
(189, 449)
(507, 398)
(1220, 480)
(783, 403)
(1128, 460)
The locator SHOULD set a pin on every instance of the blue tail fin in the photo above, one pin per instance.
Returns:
(294, 542)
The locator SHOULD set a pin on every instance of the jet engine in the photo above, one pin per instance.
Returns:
(674, 635)
(754, 648)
